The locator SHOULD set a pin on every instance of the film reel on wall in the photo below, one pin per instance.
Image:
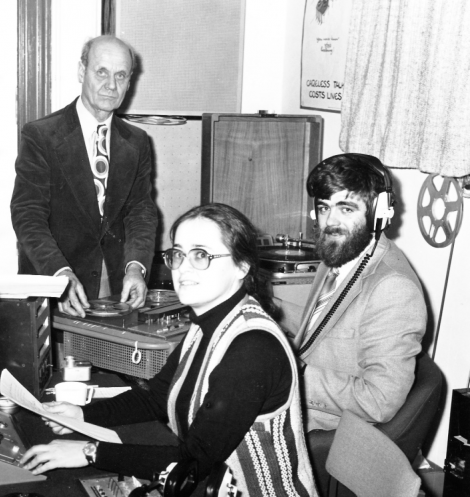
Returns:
(440, 210)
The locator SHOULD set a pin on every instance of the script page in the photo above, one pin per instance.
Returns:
(10, 387)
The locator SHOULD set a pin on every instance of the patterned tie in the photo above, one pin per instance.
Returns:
(329, 287)
(100, 166)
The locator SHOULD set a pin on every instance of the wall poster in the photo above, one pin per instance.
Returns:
(324, 46)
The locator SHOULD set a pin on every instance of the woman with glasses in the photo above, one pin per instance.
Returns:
(229, 391)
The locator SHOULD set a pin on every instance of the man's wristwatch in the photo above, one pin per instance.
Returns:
(90, 452)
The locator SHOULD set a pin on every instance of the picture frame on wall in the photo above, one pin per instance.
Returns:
(324, 48)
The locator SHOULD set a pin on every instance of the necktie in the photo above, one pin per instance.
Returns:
(329, 287)
(100, 166)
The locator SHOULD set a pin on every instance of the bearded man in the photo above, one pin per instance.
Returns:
(365, 315)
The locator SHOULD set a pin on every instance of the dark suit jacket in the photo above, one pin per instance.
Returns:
(54, 208)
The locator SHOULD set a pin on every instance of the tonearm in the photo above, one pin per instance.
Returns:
(287, 241)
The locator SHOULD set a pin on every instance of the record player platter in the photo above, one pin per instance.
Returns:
(278, 253)
(282, 260)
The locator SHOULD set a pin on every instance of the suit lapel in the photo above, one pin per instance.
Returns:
(72, 158)
(355, 290)
(123, 164)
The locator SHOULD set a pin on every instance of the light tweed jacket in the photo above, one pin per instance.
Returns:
(364, 359)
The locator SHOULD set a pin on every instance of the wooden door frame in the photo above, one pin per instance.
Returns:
(34, 61)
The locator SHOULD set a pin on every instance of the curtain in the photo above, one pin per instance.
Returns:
(407, 93)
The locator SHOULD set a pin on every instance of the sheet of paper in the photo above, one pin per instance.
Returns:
(108, 392)
(20, 286)
(10, 387)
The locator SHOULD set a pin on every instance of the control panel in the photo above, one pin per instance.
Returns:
(12, 446)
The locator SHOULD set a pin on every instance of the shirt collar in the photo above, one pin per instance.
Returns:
(88, 122)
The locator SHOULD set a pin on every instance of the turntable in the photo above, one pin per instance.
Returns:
(290, 261)
(290, 265)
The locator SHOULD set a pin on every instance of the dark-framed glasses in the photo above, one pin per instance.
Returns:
(198, 258)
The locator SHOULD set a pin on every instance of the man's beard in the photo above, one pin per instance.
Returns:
(336, 253)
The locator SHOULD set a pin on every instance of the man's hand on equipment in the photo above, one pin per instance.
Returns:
(134, 289)
(74, 300)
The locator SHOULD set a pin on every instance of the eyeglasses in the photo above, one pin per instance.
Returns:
(198, 258)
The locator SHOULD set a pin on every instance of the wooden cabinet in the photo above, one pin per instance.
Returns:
(259, 164)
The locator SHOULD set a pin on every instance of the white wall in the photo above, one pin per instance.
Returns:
(8, 126)
(73, 23)
(262, 73)
(453, 346)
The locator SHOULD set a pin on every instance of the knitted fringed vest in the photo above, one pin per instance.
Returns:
(272, 459)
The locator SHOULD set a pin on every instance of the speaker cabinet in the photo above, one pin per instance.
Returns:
(259, 164)
(25, 342)
(190, 55)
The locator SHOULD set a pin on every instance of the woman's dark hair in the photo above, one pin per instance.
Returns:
(240, 237)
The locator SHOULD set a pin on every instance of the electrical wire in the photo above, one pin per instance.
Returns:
(339, 300)
(441, 311)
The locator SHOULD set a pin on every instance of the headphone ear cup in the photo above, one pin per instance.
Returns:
(382, 212)
(313, 215)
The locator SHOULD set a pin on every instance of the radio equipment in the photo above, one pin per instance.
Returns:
(291, 260)
(290, 266)
(13, 445)
(114, 337)
(259, 164)
(25, 341)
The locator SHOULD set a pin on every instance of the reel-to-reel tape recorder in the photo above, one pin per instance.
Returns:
(289, 261)
(135, 342)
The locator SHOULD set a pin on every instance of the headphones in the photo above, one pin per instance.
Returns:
(381, 212)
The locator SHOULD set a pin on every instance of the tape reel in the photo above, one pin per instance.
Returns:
(440, 210)
(108, 308)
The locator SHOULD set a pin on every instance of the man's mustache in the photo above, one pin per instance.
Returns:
(330, 230)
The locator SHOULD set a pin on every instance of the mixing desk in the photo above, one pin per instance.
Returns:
(13, 445)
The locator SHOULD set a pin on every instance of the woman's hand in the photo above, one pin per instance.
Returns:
(57, 454)
(64, 409)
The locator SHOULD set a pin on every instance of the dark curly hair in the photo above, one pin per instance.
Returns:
(240, 237)
(361, 174)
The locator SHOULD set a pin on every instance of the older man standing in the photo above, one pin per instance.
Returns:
(81, 205)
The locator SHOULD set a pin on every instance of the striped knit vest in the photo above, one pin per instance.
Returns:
(272, 459)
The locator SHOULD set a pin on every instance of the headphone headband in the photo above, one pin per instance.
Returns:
(381, 211)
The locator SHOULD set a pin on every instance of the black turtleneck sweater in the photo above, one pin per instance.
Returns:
(253, 378)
